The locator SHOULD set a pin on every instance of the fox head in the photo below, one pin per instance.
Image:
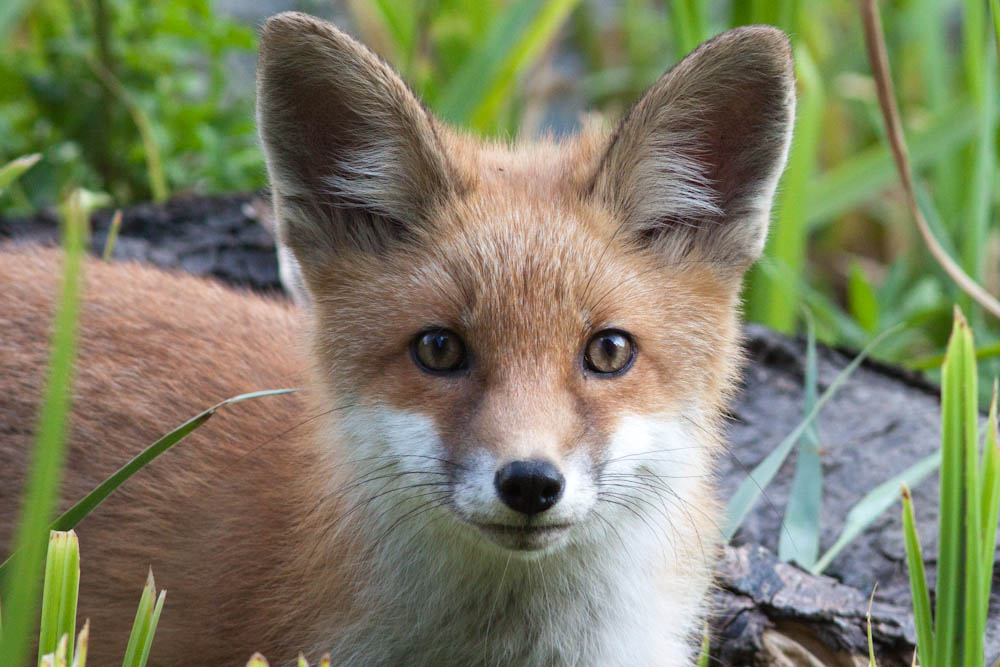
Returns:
(526, 344)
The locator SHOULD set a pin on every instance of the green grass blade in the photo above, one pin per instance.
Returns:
(688, 23)
(42, 486)
(874, 504)
(140, 628)
(519, 35)
(868, 623)
(991, 498)
(975, 605)
(995, 13)
(469, 86)
(13, 170)
(861, 298)
(147, 643)
(868, 173)
(59, 593)
(82, 642)
(975, 226)
(706, 645)
(799, 537)
(537, 36)
(109, 242)
(949, 603)
(752, 487)
(71, 517)
(918, 584)
(775, 302)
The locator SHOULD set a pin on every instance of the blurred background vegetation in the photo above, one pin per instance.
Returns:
(148, 99)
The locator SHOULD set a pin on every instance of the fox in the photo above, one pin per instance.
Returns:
(513, 371)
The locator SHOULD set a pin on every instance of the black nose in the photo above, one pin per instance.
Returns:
(529, 487)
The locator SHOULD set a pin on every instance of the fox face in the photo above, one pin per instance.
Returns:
(523, 351)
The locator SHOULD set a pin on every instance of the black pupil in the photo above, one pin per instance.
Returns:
(439, 345)
(613, 346)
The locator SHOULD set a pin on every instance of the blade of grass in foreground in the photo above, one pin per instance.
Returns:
(59, 594)
(43, 483)
(799, 537)
(948, 641)
(753, 486)
(918, 582)
(991, 490)
(77, 512)
(146, 618)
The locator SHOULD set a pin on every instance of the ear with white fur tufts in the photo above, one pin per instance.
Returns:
(353, 159)
(694, 165)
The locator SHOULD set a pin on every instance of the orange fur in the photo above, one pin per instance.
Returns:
(286, 524)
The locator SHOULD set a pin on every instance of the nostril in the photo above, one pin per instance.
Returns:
(530, 486)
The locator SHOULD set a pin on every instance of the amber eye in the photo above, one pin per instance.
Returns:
(439, 351)
(609, 352)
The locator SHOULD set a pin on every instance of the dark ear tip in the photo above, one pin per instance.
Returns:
(293, 28)
(765, 44)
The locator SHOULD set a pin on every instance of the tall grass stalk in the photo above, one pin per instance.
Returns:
(969, 509)
(774, 302)
(46, 470)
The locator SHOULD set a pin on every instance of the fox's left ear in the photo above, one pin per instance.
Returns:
(354, 159)
(694, 165)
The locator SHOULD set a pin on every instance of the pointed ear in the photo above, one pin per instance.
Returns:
(352, 155)
(694, 165)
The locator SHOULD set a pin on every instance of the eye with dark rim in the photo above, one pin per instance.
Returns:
(610, 352)
(439, 351)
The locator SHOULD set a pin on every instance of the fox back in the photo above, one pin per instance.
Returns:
(515, 361)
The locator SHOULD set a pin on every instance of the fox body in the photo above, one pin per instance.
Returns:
(515, 360)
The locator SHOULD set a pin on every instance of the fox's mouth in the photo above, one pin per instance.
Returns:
(525, 537)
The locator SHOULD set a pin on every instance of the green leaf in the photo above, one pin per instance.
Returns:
(991, 497)
(861, 298)
(147, 616)
(59, 593)
(798, 539)
(949, 642)
(753, 486)
(13, 170)
(918, 583)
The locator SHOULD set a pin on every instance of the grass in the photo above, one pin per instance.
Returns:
(969, 509)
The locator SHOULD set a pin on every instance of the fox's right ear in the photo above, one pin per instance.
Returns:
(694, 165)
(353, 158)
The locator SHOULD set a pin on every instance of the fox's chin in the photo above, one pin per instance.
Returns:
(526, 538)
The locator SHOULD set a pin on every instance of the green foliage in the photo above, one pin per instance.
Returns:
(968, 514)
(101, 87)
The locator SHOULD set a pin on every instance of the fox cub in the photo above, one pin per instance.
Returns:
(515, 361)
